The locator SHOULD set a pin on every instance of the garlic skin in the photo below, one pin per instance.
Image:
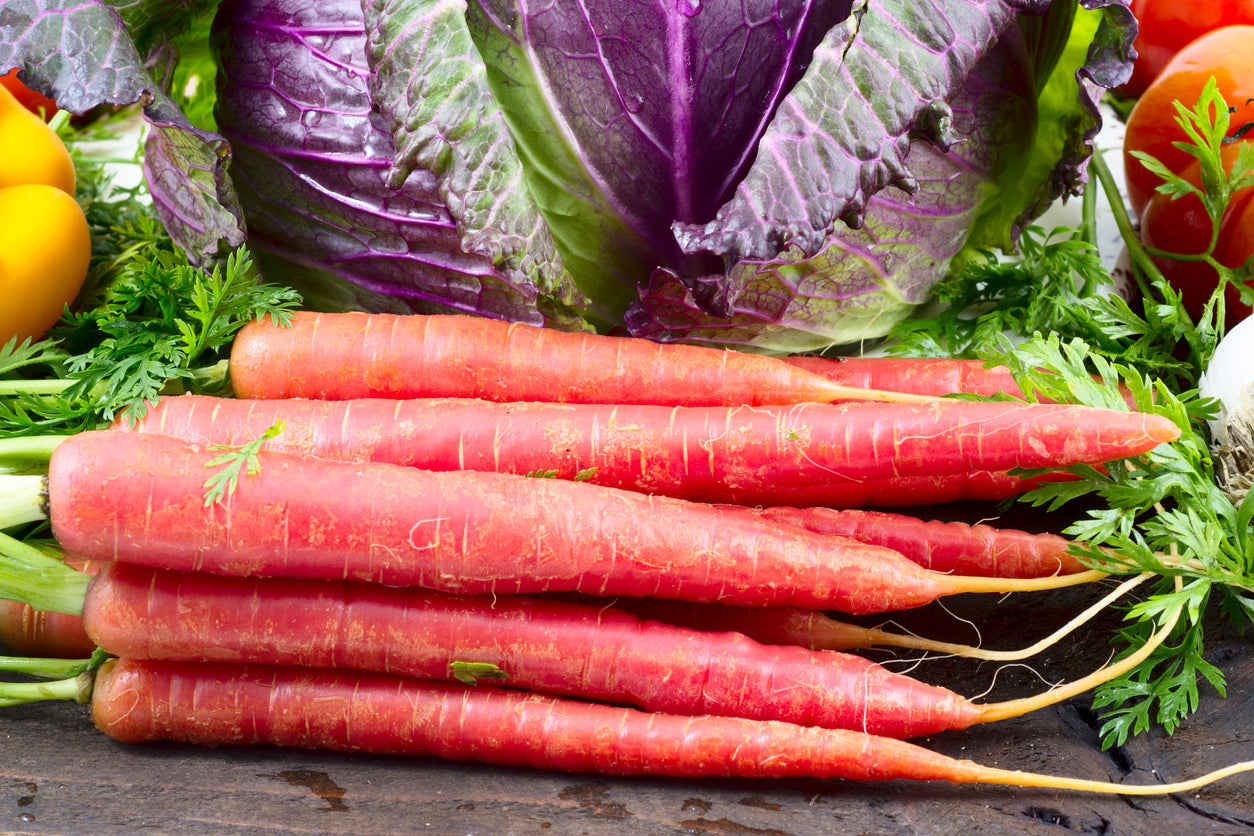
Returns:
(1230, 378)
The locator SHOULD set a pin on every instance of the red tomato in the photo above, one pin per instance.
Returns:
(1166, 26)
(1226, 54)
(1182, 226)
(1237, 250)
(34, 102)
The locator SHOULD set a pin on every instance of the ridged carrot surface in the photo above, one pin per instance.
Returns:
(337, 356)
(140, 498)
(56, 635)
(33, 633)
(921, 376)
(934, 376)
(234, 705)
(943, 546)
(220, 705)
(901, 491)
(715, 454)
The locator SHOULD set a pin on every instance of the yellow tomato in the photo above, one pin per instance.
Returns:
(30, 151)
(45, 244)
(45, 248)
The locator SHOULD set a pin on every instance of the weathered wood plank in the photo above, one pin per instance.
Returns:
(58, 775)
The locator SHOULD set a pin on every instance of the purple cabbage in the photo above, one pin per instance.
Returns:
(777, 176)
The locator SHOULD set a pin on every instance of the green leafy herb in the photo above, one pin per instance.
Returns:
(233, 461)
(158, 323)
(1161, 512)
(1057, 284)
(1049, 316)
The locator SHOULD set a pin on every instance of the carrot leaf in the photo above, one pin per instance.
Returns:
(234, 460)
(1056, 283)
(1163, 690)
(159, 321)
(1163, 512)
(469, 673)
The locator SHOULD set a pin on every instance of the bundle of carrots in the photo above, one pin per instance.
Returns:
(628, 549)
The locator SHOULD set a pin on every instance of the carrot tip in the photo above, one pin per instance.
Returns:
(1162, 429)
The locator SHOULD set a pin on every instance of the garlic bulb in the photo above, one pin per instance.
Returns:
(1230, 379)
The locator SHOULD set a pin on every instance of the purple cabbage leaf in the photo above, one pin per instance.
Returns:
(633, 116)
(1014, 139)
(333, 207)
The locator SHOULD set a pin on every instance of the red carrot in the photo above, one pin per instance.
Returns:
(954, 547)
(352, 355)
(781, 625)
(139, 498)
(934, 376)
(745, 455)
(230, 705)
(920, 376)
(556, 647)
(903, 491)
(819, 631)
(31, 632)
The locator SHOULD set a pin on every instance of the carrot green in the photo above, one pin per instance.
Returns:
(1076, 342)
(149, 320)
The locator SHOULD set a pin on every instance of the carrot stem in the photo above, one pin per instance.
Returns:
(45, 583)
(76, 688)
(51, 386)
(21, 500)
(29, 447)
(45, 668)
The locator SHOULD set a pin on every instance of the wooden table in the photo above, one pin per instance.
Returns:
(59, 775)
